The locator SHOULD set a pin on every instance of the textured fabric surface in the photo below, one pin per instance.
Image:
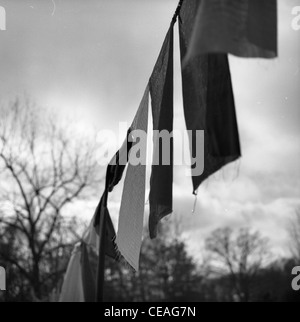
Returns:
(131, 220)
(161, 90)
(79, 282)
(208, 101)
(245, 28)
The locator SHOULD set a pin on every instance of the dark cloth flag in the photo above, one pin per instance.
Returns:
(245, 28)
(208, 101)
(131, 219)
(161, 90)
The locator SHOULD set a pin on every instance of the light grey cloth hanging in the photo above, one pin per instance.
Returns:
(131, 219)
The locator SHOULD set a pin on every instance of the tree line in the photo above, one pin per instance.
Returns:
(44, 168)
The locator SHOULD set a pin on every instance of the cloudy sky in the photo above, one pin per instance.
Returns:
(90, 61)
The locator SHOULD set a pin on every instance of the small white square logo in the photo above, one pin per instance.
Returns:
(2, 19)
(296, 20)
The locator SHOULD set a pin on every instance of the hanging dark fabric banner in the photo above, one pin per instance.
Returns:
(110, 247)
(161, 90)
(208, 102)
(245, 28)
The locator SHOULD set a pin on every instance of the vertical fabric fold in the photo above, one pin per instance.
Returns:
(208, 102)
(161, 90)
(131, 219)
(72, 289)
(245, 28)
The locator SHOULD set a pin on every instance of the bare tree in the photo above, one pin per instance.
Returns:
(43, 168)
(239, 255)
(294, 231)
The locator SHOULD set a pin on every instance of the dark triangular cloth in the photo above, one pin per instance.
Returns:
(161, 90)
(208, 101)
